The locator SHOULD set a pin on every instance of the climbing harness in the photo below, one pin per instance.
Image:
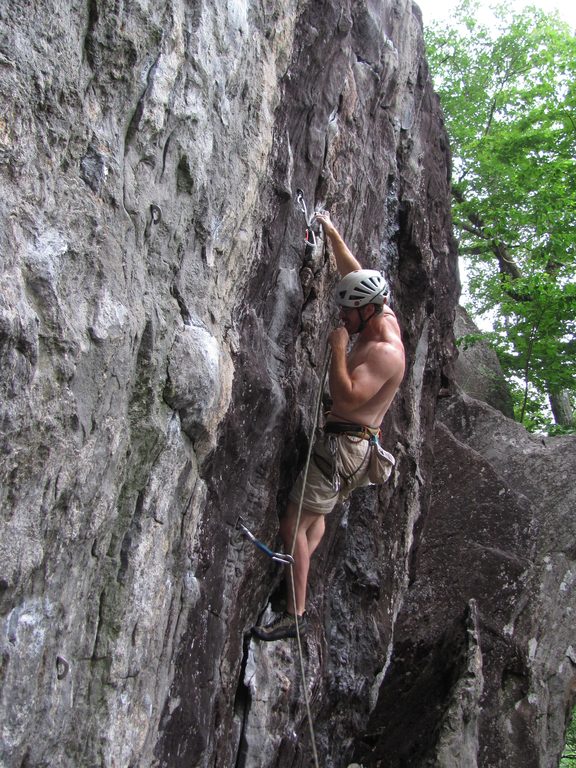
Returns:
(310, 235)
(280, 557)
(371, 434)
(331, 467)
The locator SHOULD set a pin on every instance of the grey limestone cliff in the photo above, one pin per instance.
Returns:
(162, 328)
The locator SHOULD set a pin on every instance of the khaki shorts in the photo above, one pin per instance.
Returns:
(339, 464)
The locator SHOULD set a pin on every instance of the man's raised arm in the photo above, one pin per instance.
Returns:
(345, 261)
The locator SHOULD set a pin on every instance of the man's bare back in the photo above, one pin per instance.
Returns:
(374, 364)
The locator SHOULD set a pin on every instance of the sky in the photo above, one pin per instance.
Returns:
(435, 10)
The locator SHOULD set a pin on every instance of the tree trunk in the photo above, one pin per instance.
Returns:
(561, 406)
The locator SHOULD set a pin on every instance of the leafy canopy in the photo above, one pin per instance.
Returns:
(509, 98)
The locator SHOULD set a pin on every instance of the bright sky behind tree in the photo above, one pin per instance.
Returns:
(506, 85)
(438, 10)
(433, 10)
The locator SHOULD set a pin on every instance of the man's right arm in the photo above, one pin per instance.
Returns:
(345, 261)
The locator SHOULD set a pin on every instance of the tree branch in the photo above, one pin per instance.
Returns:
(506, 264)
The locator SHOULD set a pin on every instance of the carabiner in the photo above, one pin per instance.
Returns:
(280, 557)
(310, 235)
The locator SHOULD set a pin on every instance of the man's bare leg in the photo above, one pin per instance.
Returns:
(309, 534)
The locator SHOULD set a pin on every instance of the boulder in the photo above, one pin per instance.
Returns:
(477, 368)
(499, 535)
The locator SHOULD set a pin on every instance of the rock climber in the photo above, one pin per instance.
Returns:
(346, 455)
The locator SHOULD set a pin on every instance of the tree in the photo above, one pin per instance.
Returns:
(509, 96)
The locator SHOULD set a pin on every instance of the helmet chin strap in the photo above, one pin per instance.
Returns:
(364, 323)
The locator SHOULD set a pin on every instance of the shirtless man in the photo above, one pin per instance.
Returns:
(347, 455)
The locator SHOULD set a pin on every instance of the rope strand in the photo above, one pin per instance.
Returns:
(317, 407)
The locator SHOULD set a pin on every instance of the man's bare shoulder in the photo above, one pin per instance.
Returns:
(390, 332)
(387, 349)
(389, 316)
(384, 359)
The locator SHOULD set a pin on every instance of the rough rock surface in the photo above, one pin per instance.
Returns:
(477, 369)
(162, 331)
(484, 665)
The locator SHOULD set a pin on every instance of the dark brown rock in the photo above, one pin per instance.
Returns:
(499, 531)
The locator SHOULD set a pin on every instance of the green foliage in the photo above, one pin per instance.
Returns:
(560, 429)
(509, 98)
(470, 339)
(569, 755)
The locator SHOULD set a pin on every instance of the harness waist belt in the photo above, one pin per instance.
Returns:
(348, 428)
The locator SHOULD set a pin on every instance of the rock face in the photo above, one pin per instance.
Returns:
(484, 647)
(162, 329)
(477, 368)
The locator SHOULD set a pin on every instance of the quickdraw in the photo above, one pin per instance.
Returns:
(279, 557)
(310, 235)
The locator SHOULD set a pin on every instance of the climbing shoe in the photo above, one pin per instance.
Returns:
(283, 626)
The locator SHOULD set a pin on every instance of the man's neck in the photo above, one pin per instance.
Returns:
(380, 327)
(371, 329)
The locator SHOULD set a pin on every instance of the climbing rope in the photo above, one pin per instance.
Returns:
(317, 408)
(288, 559)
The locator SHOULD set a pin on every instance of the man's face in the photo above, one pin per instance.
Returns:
(351, 318)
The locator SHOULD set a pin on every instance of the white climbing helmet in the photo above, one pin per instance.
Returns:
(361, 287)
